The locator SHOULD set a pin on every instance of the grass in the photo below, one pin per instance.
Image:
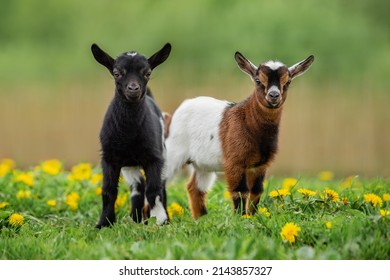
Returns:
(343, 224)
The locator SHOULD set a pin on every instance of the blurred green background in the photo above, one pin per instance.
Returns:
(53, 95)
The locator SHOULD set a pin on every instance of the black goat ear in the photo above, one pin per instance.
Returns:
(102, 57)
(245, 65)
(160, 56)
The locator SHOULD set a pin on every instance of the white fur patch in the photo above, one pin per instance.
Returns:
(158, 211)
(132, 176)
(131, 53)
(194, 136)
(274, 65)
(273, 88)
(205, 180)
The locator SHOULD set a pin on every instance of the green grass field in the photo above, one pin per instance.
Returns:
(49, 213)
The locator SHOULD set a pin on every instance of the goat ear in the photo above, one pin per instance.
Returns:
(300, 67)
(160, 56)
(245, 65)
(102, 57)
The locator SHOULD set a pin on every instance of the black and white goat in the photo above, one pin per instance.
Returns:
(240, 139)
(132, 137)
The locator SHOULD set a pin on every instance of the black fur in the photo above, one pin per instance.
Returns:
(132, 133)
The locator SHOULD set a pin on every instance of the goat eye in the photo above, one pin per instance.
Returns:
(257, 81)
(116, 74)
(147, 74)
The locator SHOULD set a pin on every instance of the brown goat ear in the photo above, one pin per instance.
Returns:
(102, 57)
(245, 65)
(300, 67)
(160, 56)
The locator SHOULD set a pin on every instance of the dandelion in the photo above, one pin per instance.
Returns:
(16, 220)
(331, 195)
(72, 200)
(52, 166)
(289, 183)
(384, 212)
(279, 193)
(290, 232)
(345, 201)
(325, 175)
(98, 191)
(96, 178)
(6, 165)
(52, 202)
(80, 172)
(227, 195)
(3, 204)
(120, 201)
(306, 193)
(21, 194)
(373, 199)
(175, 209)
(347, 183)
(246, 216)
(386, 197)
(328, 225)
(26, 178)
(264, 211)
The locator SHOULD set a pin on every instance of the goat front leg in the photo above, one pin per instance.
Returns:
(109, 194)
(236, 180)
(155, 193)
(255, 179)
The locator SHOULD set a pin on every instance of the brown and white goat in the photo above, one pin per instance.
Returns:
(240, 139)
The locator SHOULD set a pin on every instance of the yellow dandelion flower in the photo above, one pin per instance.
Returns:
(96, 178)
(16, 220)
(347, 183)
(52, 166)
(328, 225)
(386, 197)
(384, 212)
(26, 178)
(264, 211)
(331, 195)
(373, 199)
(80, 172)
(72, 200)
(289, 183)
(290, 232)
(23, 194)
(306, 192)
(6, 165)
(52, 202)
(98, 191)
(227, 195)
(325, 175)
(175, 209)
(3, 204)
(279, 193)
(120, 201)
(246, 216)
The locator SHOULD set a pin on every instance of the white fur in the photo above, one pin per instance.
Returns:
(274, 65)
(205, 180)
(131, 53)
(273, 88)
(159, 212)
(132, 176)
(194, 137)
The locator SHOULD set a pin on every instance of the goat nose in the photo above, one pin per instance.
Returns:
(274, 94)
(133, 87)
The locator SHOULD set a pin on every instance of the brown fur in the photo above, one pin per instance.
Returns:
(243, 134)
(197, 198)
